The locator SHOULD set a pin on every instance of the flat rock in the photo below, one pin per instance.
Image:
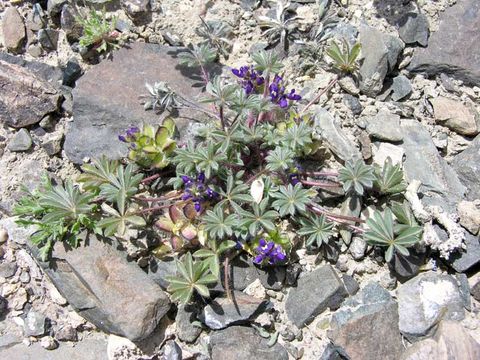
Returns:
(242, 343)
(406, 267)
(467, 258)
(385, 126)
(51, 74)
(315, 292)
(21, 141)
(425, 300)
(413, 28)
(223, 312)
(469, 214)
(382, 151)
(380, 54)
(451, 341)
(334, 137)
(424, 163)
(101, 112)
(48, 38)
(34, 324)
(13, 29)
(450, 48)
(113, 294)
(91, 349)
(456, 116)
(401, 88)
(25, 97)
(244, 272)
(158, 269)
(467, 166)
(364, 319)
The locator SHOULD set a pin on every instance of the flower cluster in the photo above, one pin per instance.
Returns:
(269, 253)
(130, 135)
(197, 191)
(279, 96)
(251, 80)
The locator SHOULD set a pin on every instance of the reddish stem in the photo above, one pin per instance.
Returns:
(319, 173)
(150, 178)
(320, 184)
(329, 86)
(335, 217)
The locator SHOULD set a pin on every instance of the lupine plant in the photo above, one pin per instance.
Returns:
(239, 186)
(98, 32)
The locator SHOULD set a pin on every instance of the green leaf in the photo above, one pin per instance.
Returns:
(317, 228)
(356, 176)
(291, 199)
(217, 225)
(389, 180)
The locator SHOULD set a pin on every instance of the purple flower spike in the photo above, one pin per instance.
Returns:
(122, 138)
(251, 81)
(197, 191)
(269, 253)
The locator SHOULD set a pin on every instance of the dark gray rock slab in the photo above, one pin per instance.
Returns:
(451, 341)
(101, 112)
(7, 269)
(475, 290)
(353, 104)
(242, 343)
(465, 259)
(172, 351)
(353, 327)
(21, 141)
(450, 48)
(380, 54)
(48, 38)
(157, 270)
(244, 272)
(426, 299)
(13, 29)
(401, 88)
(424, 163)
(315, 292)
(333, 137)
(46, 72)
(223, 312)
(25, 98)
(467, 166)
(187, 331)
(413, 28)
(104, 288)
(406, 267)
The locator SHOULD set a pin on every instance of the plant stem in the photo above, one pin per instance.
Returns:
(329, 86)
(319, 173)
(222, 118)
(156, 208)
(226, 269)
(191, 104)
(320, 184)
(173, 196)
(335, 217)
(260, 173)
(150, 178)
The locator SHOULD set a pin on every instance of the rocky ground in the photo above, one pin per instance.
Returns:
(416, 99)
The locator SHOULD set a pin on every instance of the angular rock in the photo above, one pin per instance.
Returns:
(467, 258)
(51, 74)
(467, 166)
(451, 341)
(25, 98)
(382, 151)
(222, 312)
(186, 330)
(424, 163)
(425, 300)
(380, 55)
(244, 272)
(101, 112)
(71, 72)
(351, 285)
(315, 292)
(363, 320)
(3, 308)
(66, 333)
(34, 324)
(333, 136)
(21, 141)
(13, 29)
(357, 248)
(469, 214)
(157, 270)
(55, 6)
(456, 116)
(52, 143)
(136, 8)
(406, 267)
(48, 38)
(449, 47)
(172, 351)
(385, 126)
(242, 343)
(69, 24)
(353, 104)
(475, 290)
(413, 28)
(401, 88)
(115, 295)
(333, 352)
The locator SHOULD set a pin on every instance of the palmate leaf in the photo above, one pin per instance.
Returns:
(382, 233)
(217, 224)
(65, 202)
(212, 255)
(389, 180)
(344, 58)
(121, 186)
(280, 158)
(236, 192)
(356, 176)
(118, 223)
(291, 199)
(267, 61)
(209, 158)
(97, 173)
(403, 213)
(297, 137)
(317, 228)
(193, 276)
(260, 218)
(197, 55)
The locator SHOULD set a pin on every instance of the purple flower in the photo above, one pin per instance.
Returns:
(129, 136)
(252, 80)
(278, 95)
(294, 180)
(269, 253)
(197, 191)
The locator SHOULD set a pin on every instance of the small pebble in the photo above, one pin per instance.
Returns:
(3, 236)
(48, 343)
